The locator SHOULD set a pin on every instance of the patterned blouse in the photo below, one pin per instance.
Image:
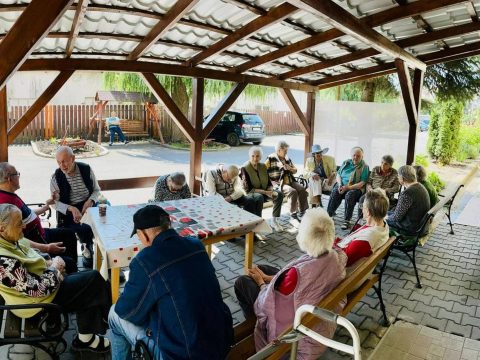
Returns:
(14, 275)
(163, 193)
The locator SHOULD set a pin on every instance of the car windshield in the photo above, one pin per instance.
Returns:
(252, 119)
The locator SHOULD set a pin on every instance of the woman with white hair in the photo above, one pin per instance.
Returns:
(258, 186)
(351, 179)
(27, 278)
(412, 205)
(280, 170)
(274, 295)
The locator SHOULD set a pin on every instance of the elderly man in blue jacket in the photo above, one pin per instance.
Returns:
(172, 300)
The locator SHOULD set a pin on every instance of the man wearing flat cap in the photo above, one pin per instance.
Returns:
(320, 171)
(172, 299)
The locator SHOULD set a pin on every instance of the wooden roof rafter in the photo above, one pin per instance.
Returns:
(373, 20)
(169, 19)
(274, 15)
(77, 21)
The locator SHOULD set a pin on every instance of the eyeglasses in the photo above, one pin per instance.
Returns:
(14, 174)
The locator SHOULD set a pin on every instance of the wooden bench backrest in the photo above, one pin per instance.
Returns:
(131, 125)
(128, 183)
(342, 290)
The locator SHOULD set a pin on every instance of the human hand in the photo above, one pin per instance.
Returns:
(316, 177)
(59, 264)
(56, 248)
(268, 193)
(88, 203)
(228, 198)
(266, 278)
(77, 215)
(331, 179)
(50, 201)
(256, 276)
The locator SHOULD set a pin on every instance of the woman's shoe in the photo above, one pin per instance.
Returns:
(277, 225)
(78, 345)
(345, 225)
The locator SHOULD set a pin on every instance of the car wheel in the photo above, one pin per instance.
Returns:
(256, 142)
(233, 140)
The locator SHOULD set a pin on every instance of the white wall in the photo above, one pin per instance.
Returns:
(26, 86)
(378, 128)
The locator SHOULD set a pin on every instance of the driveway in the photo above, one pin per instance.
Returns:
(135, 160)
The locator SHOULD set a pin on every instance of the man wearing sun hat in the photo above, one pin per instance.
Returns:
(172, 299)
(320, 171)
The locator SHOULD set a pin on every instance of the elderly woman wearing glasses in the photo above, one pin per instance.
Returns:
(27, 278)
(171, 187)
(258, 186)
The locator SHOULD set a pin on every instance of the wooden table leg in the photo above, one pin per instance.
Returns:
(98, 257)
(208, 248)
(248, 250)
(115, 281)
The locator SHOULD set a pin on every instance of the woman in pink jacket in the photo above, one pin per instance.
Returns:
(273, 296)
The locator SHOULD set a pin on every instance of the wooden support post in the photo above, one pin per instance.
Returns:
(411, 99)
(3, 125)
(151, 110)
(311, 121)
(196, 145)
(38, 105)
(48, 131)
(99, 121)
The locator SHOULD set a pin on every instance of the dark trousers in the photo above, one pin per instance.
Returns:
(69, 240)
(87, 294)
(259, 199)
(351, 197)
(84, 231)
(247, 290)
(247, 203)
(115, 129)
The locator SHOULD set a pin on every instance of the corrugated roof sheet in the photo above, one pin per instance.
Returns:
(116, 33)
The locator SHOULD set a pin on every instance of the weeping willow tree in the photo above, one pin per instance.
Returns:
(180, 89)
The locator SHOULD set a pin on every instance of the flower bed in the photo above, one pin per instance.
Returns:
(81, 148)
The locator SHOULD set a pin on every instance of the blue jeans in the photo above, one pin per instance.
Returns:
(116, 129)
(123, 335)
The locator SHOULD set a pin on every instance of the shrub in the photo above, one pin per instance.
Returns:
(443, 139)
(469, 143)
(422, 160)
(437, 183)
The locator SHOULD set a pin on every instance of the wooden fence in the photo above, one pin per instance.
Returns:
(56, 121)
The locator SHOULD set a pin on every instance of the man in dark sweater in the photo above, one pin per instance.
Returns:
(413, 203)
(77, 190)
(172, 299)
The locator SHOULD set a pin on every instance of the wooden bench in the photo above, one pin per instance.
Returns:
(244, 344)
(128, 183)
(133, 128)
(44, 330)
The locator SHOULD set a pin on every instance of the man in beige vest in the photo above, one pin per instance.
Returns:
(320, 171)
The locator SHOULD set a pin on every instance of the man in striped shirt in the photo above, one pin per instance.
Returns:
(77, 190)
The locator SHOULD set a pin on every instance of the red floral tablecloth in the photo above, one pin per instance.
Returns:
(200, 216)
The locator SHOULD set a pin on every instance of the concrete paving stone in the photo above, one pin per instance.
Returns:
(410, 316)
(416, 296)
(470, 320)
(426, 309)
(472, 344)
(447, 287)
(456, 298)
(469, 354)
(449, 315)
(464, 309)
(405, 303)
(454, 275)
(434, 322)
(467, 277)
(462, 330)
(440, 294)
(447, 305)
(464, 270)
(469, 292)
(436, 350)
(405, 293)
(452, 354)
(371, 341)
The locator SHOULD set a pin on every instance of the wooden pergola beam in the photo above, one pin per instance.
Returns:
(31, 27)
(222, 107)
(361, 54)
(80, 12)
(38, 105)
(172, 109)
(295, 110)
(174, 14)
(455, 53)
(373, 20)
(198, 91)
(156, 68)
(3, 125)
(341, 19)
(271, 17)
(310, 117)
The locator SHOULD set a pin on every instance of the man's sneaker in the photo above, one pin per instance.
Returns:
(277, 225)
(295, 216)
(111, 144)
(87, 253)
(126, 142)
(345, 225)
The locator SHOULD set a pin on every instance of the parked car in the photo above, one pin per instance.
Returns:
(424, 122)
(236, 127)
